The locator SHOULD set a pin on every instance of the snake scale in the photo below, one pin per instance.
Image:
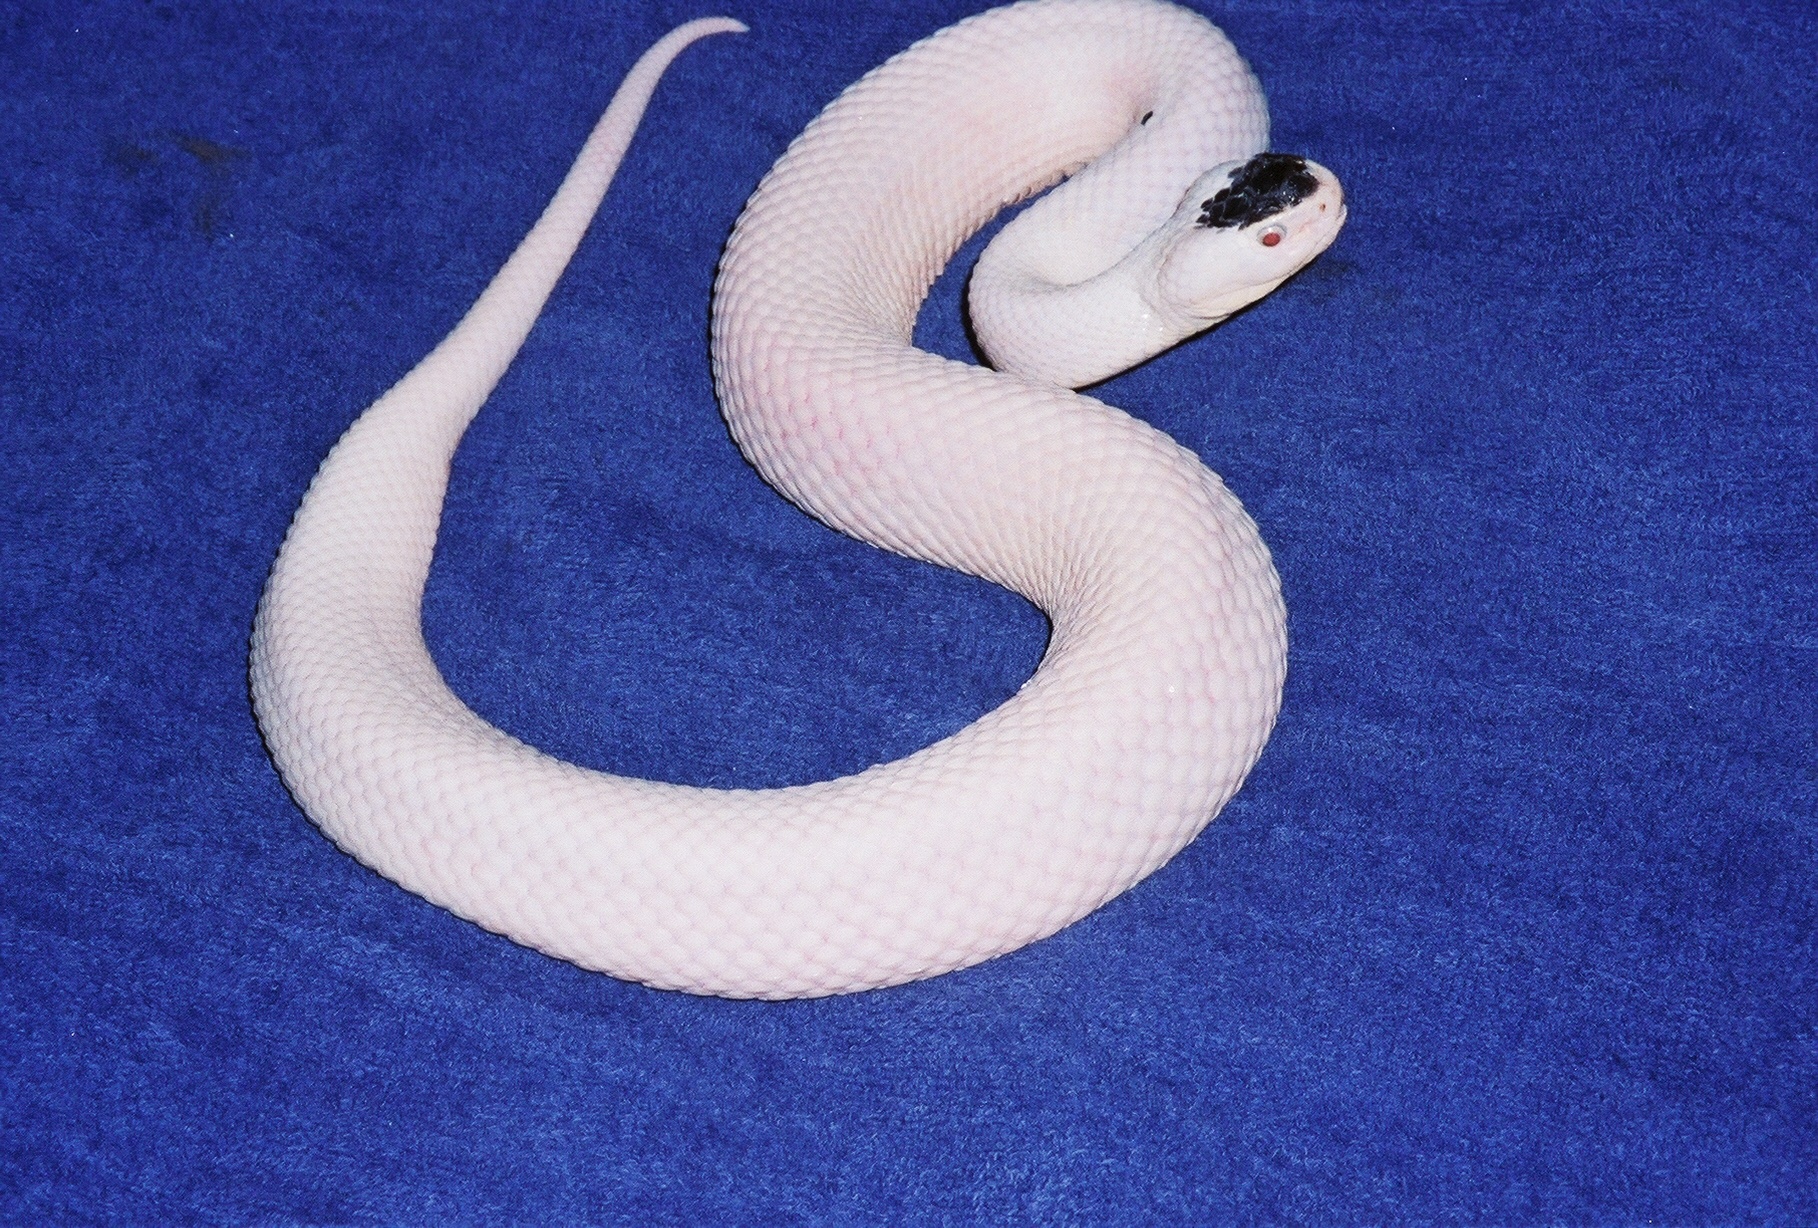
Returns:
(1163, 673)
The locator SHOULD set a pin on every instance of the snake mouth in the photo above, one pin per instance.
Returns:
(1262, 187)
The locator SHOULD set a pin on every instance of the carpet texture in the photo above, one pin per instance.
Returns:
(1513, 923)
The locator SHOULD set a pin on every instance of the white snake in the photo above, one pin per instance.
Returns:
(1164, 669)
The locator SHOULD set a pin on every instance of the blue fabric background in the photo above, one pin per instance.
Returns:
(1514, 921)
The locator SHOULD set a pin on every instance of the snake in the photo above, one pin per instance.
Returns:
(1164, 212)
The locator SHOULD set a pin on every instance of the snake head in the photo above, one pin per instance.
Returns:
(1242, 229)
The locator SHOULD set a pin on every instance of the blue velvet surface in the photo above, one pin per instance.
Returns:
(1513, 922)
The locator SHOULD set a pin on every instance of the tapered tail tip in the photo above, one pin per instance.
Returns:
(717, 25)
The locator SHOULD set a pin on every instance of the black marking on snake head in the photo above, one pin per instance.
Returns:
(1260, 188)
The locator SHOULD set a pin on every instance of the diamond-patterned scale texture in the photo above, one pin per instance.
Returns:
(1164, 671)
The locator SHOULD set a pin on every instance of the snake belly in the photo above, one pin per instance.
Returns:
(1164, 669)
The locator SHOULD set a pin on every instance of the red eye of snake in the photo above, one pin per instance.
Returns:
(1271, 236)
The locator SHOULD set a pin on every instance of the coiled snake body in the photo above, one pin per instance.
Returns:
(1164, 669)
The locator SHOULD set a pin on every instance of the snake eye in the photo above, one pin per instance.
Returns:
(1271, 235)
